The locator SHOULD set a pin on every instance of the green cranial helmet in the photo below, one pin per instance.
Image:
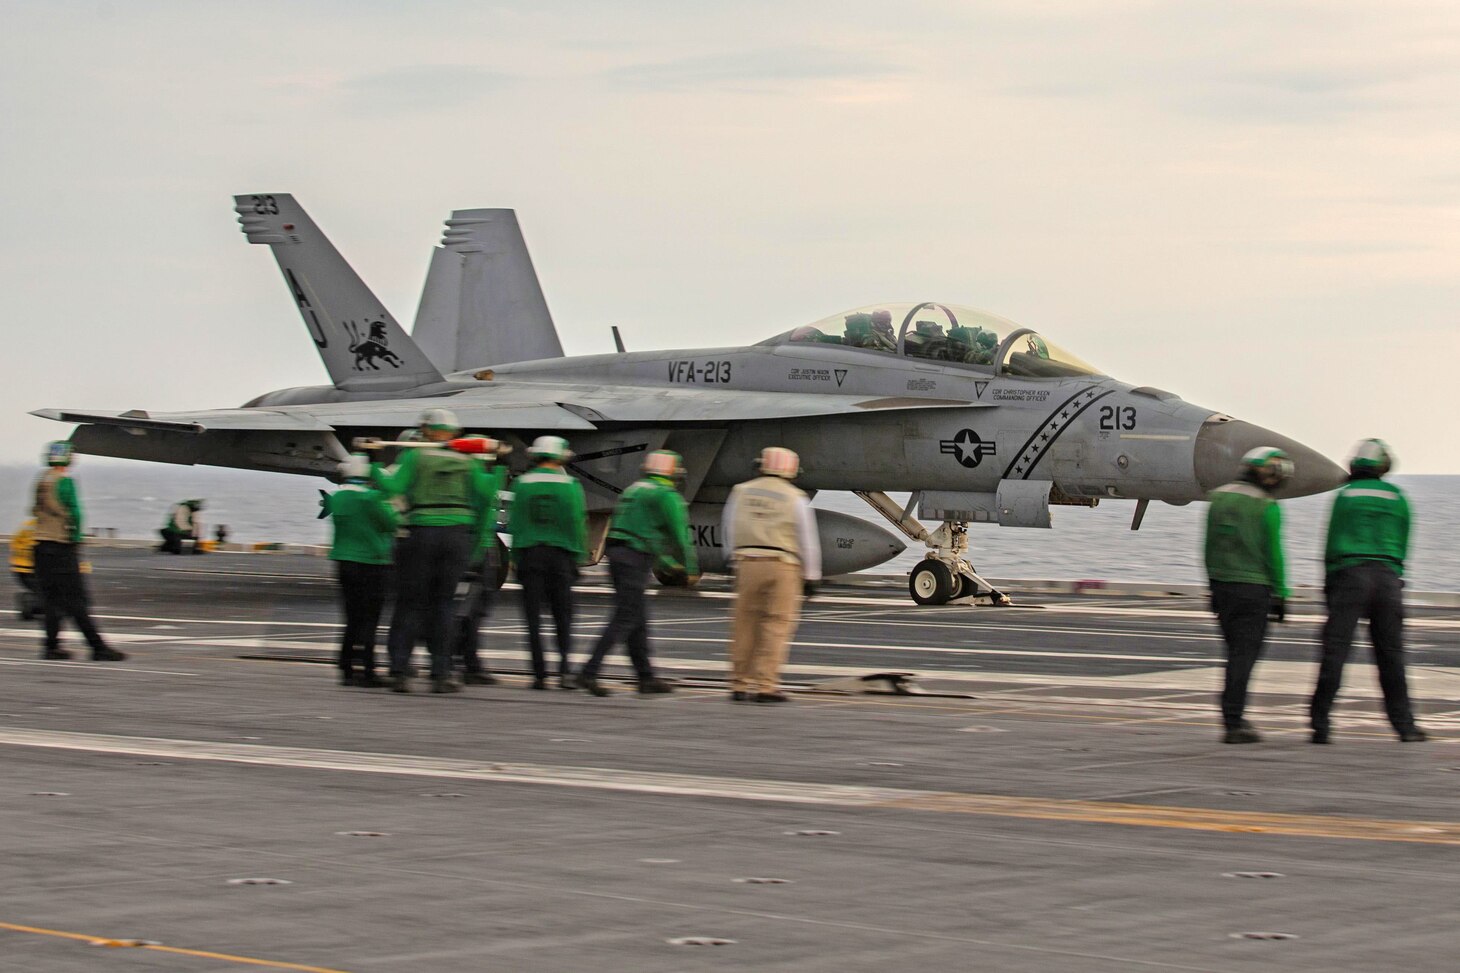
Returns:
(1269, 461)
(1372, 456)
(58, 453)
(440, 419)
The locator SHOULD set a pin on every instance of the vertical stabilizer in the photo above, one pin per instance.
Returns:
(361, 344)
(482, 304)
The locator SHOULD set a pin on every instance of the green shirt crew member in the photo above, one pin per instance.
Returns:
(364, 532)
(484, 574)
(650, 529)
(549, 526)
(1244, 561)
(58, 533)
(1363, 560)
(447, 493)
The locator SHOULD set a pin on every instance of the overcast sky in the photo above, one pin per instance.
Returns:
(1254, 205)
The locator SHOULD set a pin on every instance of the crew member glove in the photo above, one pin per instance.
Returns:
(1278, 610)
(808, 588)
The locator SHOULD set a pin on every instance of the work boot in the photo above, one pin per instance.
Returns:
(1413, 735)
(589, 684)
(772, 698)
(55, 654)
(1242, 734)
(368, 680)
(739, 696)
(478, 679)
(400, 684)
(567, 681)
(539, 682)
(444, 686)
(107, 654)
(1320, 737)
(654, 686)
(347, 678)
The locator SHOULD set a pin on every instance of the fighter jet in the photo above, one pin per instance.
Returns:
(978, 419)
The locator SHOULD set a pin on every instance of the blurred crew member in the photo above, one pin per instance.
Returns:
(57, 512)
(650, 528)
(771, 530)
(1363, 560)
(549, 527)
(22, 567)
(1244, 561)
(476, 588)
(445, 493)
(364, 530)
(182, 524)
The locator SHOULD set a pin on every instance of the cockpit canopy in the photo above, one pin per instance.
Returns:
(945, 333)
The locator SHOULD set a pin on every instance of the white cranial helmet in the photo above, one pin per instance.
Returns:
(554, 448)
(779, 461)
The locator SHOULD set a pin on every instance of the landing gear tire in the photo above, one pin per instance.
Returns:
(961, 587)
(931, 583)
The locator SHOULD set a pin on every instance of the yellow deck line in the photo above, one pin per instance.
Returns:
(159, 948)
(744, 789)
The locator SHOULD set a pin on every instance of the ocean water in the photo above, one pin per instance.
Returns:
(132, 498)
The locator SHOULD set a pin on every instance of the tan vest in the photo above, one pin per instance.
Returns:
(52, 519)
(765, 518)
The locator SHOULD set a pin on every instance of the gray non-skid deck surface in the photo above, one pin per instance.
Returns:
(596, 869)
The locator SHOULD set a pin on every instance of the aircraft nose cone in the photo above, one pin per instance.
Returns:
(1221, 443)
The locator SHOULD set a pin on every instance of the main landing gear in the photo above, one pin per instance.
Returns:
(944, 575)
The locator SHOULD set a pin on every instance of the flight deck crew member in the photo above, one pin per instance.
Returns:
(771, 531)
(474, 593)
(445, 493)
(1363, 560)
(549, 527)
(182, 524)
(650, 528)
(57, 512)
(364, 533)
(1244, 561)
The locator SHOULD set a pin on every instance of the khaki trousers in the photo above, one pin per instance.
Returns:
(767, 607)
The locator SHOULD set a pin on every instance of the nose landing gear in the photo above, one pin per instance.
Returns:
(944, 575)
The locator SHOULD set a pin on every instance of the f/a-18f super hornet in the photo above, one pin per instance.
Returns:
(978, 419)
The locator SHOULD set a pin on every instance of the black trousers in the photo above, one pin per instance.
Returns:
(547, 575)
(429, 563)
(58, 576)
(1242, 614)
(629, 623)
(1369, 590)
(473, 603)
(362, 595)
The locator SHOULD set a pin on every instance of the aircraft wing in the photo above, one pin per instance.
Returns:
(504, 407)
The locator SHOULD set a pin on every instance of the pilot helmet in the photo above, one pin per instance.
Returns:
(663, 462)
(553, 448)
(987, 340)
(58, 453)
(440, 419)
(859, 324)
(961, 336)
(1371, 456)
(1270, 465)
(356, 468)
(779, 461)
(882, 321)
